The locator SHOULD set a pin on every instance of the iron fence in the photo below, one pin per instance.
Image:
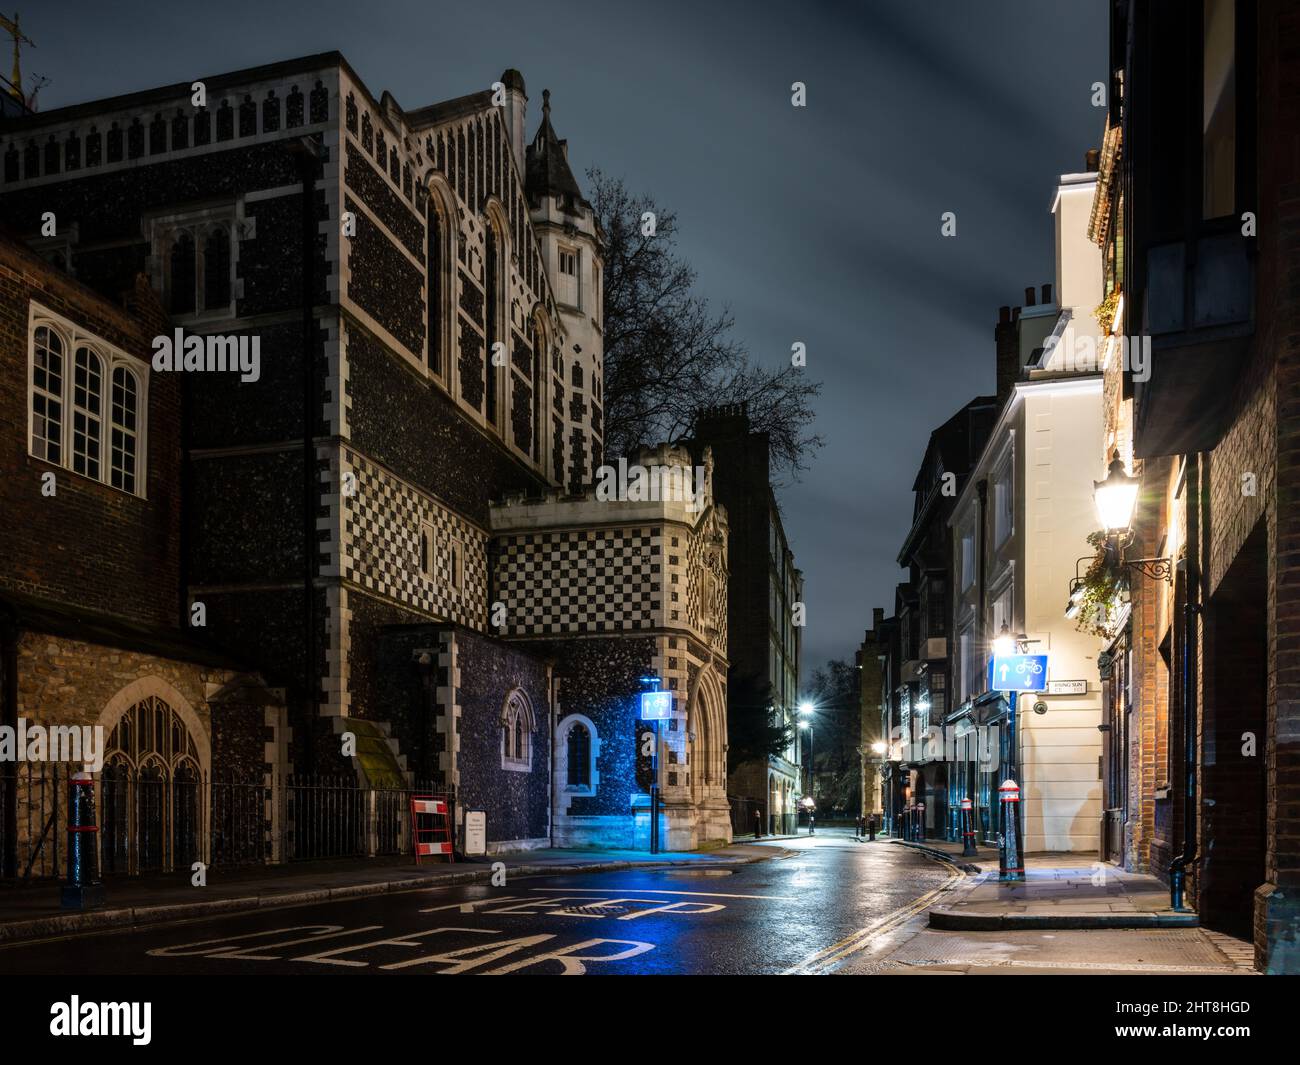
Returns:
(152, 821)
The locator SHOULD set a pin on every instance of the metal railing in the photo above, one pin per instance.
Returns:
(151, 822)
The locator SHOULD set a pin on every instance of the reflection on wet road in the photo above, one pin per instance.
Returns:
(819, 902)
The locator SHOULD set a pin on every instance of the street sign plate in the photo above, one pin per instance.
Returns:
(1018, 673)
(1067, 687)
(656, 706)
(475, 832)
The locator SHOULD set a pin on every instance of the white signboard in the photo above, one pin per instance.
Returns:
(475, 832)
(1067, 687)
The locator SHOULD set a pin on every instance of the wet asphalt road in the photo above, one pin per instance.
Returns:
(813, 910)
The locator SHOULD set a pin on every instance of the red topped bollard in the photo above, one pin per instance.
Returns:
(1011, 858)
(83, 890)
(968, 829)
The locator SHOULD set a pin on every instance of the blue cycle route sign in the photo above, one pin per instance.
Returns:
(1018, 673)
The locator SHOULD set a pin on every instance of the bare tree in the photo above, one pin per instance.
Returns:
(668, 356)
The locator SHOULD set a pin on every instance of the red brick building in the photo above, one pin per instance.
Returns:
(1198, 216)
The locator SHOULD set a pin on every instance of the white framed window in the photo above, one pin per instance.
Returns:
(86, 402)
(517, 724)
(1003, 502)
(569, 287)
(1003, 611)
(195, 259)
(967, 665)
(966, 560)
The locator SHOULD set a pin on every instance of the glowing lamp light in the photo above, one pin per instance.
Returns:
(1004, 643)
(1116, 496)
(806, 709)
(879, 748)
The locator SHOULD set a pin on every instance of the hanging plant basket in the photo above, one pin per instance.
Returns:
(1104, 587)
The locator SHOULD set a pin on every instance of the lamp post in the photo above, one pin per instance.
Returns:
(806, 711)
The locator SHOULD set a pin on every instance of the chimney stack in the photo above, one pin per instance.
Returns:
(1047, 295)
(1092, 160)
(1029, 296)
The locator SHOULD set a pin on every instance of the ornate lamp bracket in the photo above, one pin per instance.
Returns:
(1158, 569)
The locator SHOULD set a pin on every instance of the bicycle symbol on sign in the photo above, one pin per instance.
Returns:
(1031, 666)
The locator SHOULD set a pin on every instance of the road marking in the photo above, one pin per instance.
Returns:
(657, 891)
(822, 960)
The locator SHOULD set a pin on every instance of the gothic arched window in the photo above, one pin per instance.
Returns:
(491, 273)
(516, 733)
(216, 269)
(151, 788)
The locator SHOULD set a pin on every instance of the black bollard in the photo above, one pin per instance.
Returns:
(968, 829)
(83, 891)
(871, 829)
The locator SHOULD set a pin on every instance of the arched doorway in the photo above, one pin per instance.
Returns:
(151, 791)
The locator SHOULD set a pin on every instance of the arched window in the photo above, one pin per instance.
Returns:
(124, 432)
(435, 266)
(95, 406)
(516, 733)
(182, 275)
(47, 395)
(578, 750)
(151, 791)
(216, 269)
(490, 274)
(87, 411)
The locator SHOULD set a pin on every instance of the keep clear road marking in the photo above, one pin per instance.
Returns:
(825, 960)
(658, 891)
(570, 961)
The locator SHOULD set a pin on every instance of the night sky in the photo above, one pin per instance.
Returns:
(819, 224)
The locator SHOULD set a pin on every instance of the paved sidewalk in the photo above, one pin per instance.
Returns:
(1060, 891)
(33, 912)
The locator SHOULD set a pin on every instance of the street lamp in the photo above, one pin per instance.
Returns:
(1116, 499)
(1116, 496)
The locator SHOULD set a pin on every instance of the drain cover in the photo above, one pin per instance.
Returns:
(595, 909)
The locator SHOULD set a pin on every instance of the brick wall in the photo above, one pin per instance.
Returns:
(90, 545)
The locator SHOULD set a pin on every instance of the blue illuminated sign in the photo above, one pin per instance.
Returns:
(1018, 673)
(656, 706)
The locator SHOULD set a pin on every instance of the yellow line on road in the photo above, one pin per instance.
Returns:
(825, 958)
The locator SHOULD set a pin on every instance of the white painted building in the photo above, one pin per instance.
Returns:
(1017, 526)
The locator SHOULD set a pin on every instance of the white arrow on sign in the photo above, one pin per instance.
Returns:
(1004, 671)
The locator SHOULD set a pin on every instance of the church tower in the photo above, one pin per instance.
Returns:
(572, 251)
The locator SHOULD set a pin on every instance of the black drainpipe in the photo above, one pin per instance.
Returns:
(9, 717)
(1191, 610)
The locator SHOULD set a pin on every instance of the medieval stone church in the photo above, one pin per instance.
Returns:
(379, 560)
